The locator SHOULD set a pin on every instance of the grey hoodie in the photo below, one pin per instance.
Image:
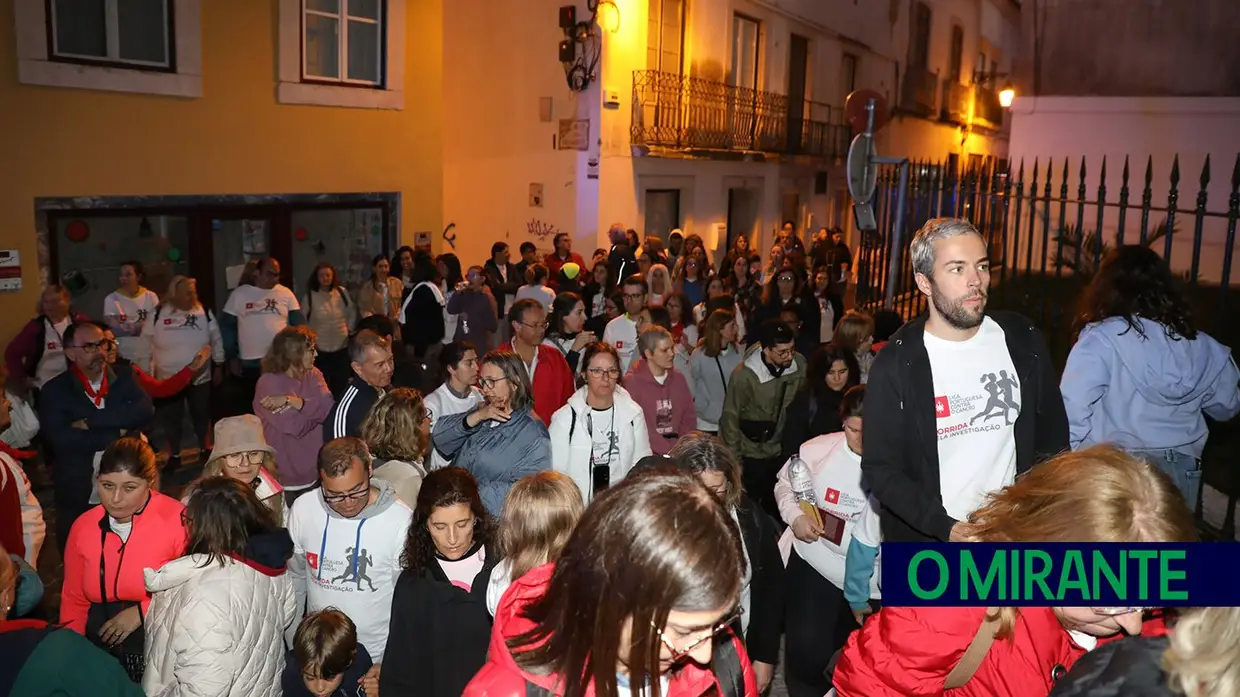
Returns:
(349, 563)
(710, 378)
(1146, 392)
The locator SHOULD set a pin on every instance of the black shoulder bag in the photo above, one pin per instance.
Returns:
(131, 653)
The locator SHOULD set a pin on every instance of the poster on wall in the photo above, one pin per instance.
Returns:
(254, 236)
(574, 134)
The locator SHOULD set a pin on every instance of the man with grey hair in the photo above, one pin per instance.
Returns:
(959, 402)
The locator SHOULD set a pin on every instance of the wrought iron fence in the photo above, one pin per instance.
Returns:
(1049, 223)
(677, 111)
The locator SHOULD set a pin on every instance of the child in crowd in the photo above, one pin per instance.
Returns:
(538, 517)
(328, 661)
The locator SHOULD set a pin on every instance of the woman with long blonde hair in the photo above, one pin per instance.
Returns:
(1199, 657)
(398, 432)
(1100, 494)
(539, 516)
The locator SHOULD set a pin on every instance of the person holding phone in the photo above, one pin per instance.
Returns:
(818, 620)
(599, 435)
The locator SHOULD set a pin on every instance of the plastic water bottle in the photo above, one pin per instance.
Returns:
(803, 488)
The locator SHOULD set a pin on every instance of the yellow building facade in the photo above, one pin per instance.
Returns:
(256, 131)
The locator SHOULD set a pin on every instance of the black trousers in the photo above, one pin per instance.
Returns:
(758, 475)
(171, 414)
(816, 625)
(336, 370)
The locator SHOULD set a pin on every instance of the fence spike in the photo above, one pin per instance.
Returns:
(1125, 173)
(1020, 172)
(1082, 170)
(1235, 175)
(1102, 176)
(1175, 171)
(1205, 172)
(1149, 172)
(1080, 188)
(1063, 184)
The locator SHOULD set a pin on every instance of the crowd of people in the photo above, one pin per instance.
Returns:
(649, 475)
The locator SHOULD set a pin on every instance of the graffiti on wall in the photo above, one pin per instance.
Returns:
(449, 235)
(540, 230)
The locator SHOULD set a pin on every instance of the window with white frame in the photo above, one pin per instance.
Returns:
(128, 33)
(343, 41)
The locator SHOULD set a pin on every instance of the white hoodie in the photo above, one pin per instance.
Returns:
(836, 471)
(327, 573)
(571, 439)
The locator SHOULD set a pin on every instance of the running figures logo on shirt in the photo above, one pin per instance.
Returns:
(663, 416)
(352, 571)
(995, 405)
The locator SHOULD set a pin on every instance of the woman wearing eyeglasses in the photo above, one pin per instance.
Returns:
(500, 441)
(601, 433)
(292, 400)
(1100, 494)
(645, 592)
(242, 454)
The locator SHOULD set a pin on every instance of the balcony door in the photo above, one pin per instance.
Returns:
(743, 102)
(665, 49)
(798, 69)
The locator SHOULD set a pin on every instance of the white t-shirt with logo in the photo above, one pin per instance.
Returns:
(976, 403)
(837, 486)
(126, 315)
(621, 332)
(604, 441)
(261, 314)
(53, 361)
(443, 402)
(175, 336)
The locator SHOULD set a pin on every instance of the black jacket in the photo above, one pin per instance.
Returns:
(294, 686)
(901, 457)
(811, 414)
(423, 325)
(1125, 668)
(345, 418)
(499, 288)
(126, 408)
(766, 587)
(439, 634)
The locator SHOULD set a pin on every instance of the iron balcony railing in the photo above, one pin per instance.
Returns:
(973, 105)
(918, 91)
(688, 113)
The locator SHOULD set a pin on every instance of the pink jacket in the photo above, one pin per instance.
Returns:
(296, 434)
(668, 407)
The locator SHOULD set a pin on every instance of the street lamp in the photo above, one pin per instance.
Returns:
(1006, 95)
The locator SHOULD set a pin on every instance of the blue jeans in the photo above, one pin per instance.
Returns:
(1184, 470)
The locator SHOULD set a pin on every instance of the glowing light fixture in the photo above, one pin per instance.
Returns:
(608, 16)
(1006, 95)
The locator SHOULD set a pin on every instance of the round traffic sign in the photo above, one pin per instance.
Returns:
(854, 110)
(862, 172)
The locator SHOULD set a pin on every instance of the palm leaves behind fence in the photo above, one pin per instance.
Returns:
(1047, 236)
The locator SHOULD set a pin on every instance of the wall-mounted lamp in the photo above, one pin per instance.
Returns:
(607, 14)
(1006, 95)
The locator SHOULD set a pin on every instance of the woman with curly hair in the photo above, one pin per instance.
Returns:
(1141, 374)
(398, 432)
(440, 626)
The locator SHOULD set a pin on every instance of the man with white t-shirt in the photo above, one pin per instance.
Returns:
(252, 317)
(621, 332)
(959, 402)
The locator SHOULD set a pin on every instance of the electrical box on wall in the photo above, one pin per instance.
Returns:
(10, 270)
(611, 99)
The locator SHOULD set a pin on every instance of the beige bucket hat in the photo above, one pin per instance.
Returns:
(239, 434)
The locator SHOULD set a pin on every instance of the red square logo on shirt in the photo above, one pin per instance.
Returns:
(833, 495)
(249, 306)
(167, 321)
(942, 409)
(51, 345)
(313, 560)
(619, 344)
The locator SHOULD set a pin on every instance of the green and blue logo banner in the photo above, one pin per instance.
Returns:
(1061, 574)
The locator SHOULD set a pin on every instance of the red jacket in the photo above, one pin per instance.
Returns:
(673, 395)
(555, 263)
(502, 677)
(910, 651)
(553, 381)
(157, 537)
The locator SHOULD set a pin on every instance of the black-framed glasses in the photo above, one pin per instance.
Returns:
(348, 496)
(707, 635)
(634, 296)
(97, 346)
(600, 373)
(489, 383)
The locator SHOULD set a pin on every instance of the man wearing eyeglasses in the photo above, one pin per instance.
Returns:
(621, 332)
(551, 380)
(756, 406)
(347, 540)
(83, 411)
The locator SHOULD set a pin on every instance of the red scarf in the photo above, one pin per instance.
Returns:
(16, 454)
(95, 396)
